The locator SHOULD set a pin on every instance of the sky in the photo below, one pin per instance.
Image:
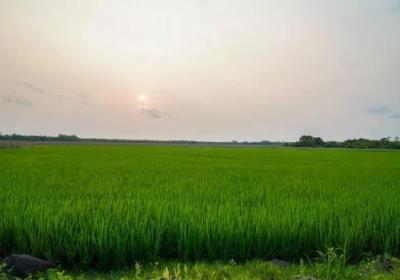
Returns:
(218, 70)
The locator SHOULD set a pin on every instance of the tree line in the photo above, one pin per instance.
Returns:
(304, 141)
(59, 137)
(360, 143)
(74, 138)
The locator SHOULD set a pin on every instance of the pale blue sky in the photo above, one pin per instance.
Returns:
(201, 69)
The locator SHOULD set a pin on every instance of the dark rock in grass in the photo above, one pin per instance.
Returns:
(22, 265)
(281, 263)
(386, 264)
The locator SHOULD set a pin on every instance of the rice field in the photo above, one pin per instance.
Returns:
(110, 206)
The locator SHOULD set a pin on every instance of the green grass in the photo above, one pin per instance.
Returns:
(110, 206)
(333, 269)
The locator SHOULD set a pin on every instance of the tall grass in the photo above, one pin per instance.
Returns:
(112, 206)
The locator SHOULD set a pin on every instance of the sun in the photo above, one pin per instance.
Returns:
(142, 97)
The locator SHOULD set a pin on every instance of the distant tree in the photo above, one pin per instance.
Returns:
(385, 139)
(60, 137)
(63, 137)
(310, 141)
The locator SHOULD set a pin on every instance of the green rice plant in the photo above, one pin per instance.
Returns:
(113, 206)
(333, 263)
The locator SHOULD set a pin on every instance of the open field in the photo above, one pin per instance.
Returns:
(109, 206)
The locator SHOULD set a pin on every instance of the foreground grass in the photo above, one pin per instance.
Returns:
(109, 207)
(328, 269)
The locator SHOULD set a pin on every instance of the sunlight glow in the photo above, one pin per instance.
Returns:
(142, 97)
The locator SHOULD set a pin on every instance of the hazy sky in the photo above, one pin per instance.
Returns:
(201, 69)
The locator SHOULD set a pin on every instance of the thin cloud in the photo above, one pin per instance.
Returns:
(379, 110)
(32, 87)
(16, 100)
(202, 2)
(153, 113)
(389, 10)
(395, 116)
(84, 98)
(394, 9)
(385, 111)
(38, 90)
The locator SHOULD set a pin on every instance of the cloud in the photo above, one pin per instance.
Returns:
(32, 87)
(38, 90)
(394, 9)
(83, 94)
(379, 110)
(395, 116)
(384, 110)
(84, 98)
(390, 10)
(202, 2)
(153, 113)
(16, 100)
